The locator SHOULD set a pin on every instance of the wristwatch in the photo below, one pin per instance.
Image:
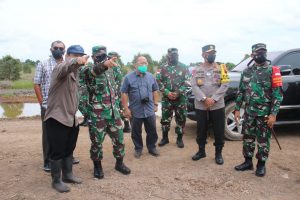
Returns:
(156, 104)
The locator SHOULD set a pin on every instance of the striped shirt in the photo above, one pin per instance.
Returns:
(42, 77)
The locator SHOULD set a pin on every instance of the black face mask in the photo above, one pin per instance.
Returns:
(260, 58)
(211, 58)
(173, 59)
(57, 54)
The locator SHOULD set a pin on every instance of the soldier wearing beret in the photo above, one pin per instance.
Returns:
(260, 91)
(172, 85)
(99, 104)
(118, 79)
(209, 84)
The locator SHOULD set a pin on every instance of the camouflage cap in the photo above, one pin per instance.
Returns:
(113, 53)
(96, 49)
(259, 46)
(172, 50)
(209, 48)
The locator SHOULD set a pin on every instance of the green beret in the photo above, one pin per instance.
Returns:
(172, 50)
(96, 49)
(209, 48)
(259, 46)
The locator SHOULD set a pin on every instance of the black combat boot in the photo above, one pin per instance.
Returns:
(200, 154)
(247, 165)
(179, 141)
(260, 169)
(218, 157)
(75, 160)
(121, 167)
(126, 128)
(98, 171)
(164, 140)
(57, 183)
(67, 171)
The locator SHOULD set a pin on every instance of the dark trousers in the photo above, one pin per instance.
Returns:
(62, 139)
(45, 142)
(217, 117)
(150, 128)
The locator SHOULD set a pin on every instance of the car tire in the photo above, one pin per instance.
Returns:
(232, 130)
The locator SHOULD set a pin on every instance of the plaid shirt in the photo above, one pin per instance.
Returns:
(42, 77)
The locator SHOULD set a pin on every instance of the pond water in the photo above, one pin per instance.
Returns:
(16, 110)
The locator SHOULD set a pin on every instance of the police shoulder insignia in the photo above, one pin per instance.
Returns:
(224, 74)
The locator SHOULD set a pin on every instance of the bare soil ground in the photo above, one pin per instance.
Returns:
(173, 175)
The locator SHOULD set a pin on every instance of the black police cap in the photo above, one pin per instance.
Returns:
(208, 48)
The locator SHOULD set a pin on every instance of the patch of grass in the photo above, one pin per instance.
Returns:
(22, 84)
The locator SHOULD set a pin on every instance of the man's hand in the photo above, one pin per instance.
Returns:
(110, 63)
(127, 113)
(155, 107)
(271, 120)
(209, 102)
(82, 60)
(237, 116)
(172, 95)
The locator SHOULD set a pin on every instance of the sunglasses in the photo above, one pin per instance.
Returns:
(60, 48)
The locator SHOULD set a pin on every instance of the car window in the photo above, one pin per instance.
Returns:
(293, 60)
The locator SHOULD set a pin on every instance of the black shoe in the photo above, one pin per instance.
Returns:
(75, 161)
(137, 154)
(199, 155)
(47, 166)
(218, 157)
(126, 128)
(121, 167)
(57, 183)
(154, 152)
(164, 140)
(98, 171)
(260, 169)
(179, 141)
(67, 171)
(247, 165)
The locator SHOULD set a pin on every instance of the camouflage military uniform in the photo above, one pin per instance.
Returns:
(173, 79)
(260, 101)
(99, 102)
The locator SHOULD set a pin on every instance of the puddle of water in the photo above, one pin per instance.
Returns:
(16, 110)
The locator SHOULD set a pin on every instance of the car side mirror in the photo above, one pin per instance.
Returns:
(285, 69)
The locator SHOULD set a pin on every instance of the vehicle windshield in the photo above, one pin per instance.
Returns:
(242, 65)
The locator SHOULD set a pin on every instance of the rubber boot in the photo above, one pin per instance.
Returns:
(200, 154)
(260, 169)
(164, 140)
(67, 171)
(179, 141)
(98, 171)
(126, 128)
(247, 165)
(218, 157)
(121, 167)
(57, 183)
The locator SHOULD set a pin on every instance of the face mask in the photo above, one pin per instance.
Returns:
(173, 59)
(57, 54)
(260, 58)
(142, 69)
(211, 58)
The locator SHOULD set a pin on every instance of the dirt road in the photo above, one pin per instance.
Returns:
(173, 175)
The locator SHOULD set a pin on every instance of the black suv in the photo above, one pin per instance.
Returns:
(289, 63)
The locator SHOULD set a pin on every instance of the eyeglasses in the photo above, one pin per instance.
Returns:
(60, 48)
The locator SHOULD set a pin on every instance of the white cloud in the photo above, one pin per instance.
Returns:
(132, 26)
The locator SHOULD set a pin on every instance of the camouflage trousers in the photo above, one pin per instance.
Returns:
(98, 128)
(255, 128)
(180, 109)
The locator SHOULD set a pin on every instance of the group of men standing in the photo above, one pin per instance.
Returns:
(96, 89)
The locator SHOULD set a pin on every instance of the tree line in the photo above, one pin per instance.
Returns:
(11, 68)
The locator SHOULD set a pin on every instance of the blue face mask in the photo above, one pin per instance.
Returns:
(142, 68)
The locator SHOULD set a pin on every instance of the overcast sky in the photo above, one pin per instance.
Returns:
(149, 26)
